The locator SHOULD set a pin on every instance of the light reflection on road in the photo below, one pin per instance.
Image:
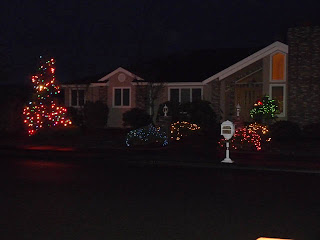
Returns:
(50, 148)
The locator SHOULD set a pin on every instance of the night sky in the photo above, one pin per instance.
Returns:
(90, 37)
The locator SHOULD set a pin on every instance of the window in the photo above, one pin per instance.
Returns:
(121, 97)
(196, 94)
(77, 98)
(278, 67)
(174, 95)
(184, 95)
(277, 92)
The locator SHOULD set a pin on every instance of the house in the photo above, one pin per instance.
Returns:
(264, 72)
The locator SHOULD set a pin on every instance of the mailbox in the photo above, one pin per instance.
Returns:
(227, 129)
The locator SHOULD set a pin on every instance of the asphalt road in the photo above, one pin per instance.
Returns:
(59, 200)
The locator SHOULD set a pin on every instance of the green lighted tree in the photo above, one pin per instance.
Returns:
(264, 110)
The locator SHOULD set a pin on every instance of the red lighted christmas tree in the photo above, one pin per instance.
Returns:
(42, 111)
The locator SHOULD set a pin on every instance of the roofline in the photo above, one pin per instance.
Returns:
(172, 83)
(75, 84)
(119, 69)
(97, 84)
(276, 46)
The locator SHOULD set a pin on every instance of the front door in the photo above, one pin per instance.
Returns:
(246, 95)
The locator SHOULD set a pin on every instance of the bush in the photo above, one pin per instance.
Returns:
(285, 130)
(264, 111)
(182, 129)
(76, 116)
(136, 118)
(92, 115)
(148, 135)
(95, 114)
(244, 139)
(311, 131)
(174, 111)
(198, 112)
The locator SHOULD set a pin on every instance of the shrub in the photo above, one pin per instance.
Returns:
(312, 131)
(76, 116)
(148, 135)
(95, 114)
(136, 118)
(285, 130)
(198, 112)
(201, 113)
(264, 110)
(182, 129)
(174, 110)
(244, 139)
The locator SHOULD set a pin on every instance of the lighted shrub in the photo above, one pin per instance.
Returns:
(244, 139)
(198, 112)
(252, 137)
(264, 110)
(182, 129)
(148, 135)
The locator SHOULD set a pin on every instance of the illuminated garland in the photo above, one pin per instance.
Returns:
(265, 109)
(180, 129)
(145, 135)
(42, 111)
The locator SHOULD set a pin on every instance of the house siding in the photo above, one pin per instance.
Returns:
(115, 113)
(304, 75)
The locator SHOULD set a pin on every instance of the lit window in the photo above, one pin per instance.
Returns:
(278, 66)
(121, 97)
(184, 95)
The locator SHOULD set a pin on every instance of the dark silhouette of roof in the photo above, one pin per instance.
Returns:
(87, 80)
(192, 66)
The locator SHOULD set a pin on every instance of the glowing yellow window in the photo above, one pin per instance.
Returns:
(278, 66)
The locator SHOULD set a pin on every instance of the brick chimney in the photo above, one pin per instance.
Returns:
(304, 75)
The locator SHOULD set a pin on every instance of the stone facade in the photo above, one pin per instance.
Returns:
(304, 75)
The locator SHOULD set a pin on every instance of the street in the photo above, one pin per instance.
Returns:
(43, 199)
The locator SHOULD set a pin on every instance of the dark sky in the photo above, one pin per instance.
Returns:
(89, 37)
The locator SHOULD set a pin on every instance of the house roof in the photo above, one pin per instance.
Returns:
(86, 80)
(200, 66)
(193, 66)
(119, 69)
(276, 46)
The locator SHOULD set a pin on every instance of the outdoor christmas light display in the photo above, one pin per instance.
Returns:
(265, 109)
(146, 135)
(42, 111)
(254, 135)
(244, 138)
(180, 129)
(258, 128)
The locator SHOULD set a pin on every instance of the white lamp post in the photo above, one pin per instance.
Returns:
(165, 110)
(238, 107)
